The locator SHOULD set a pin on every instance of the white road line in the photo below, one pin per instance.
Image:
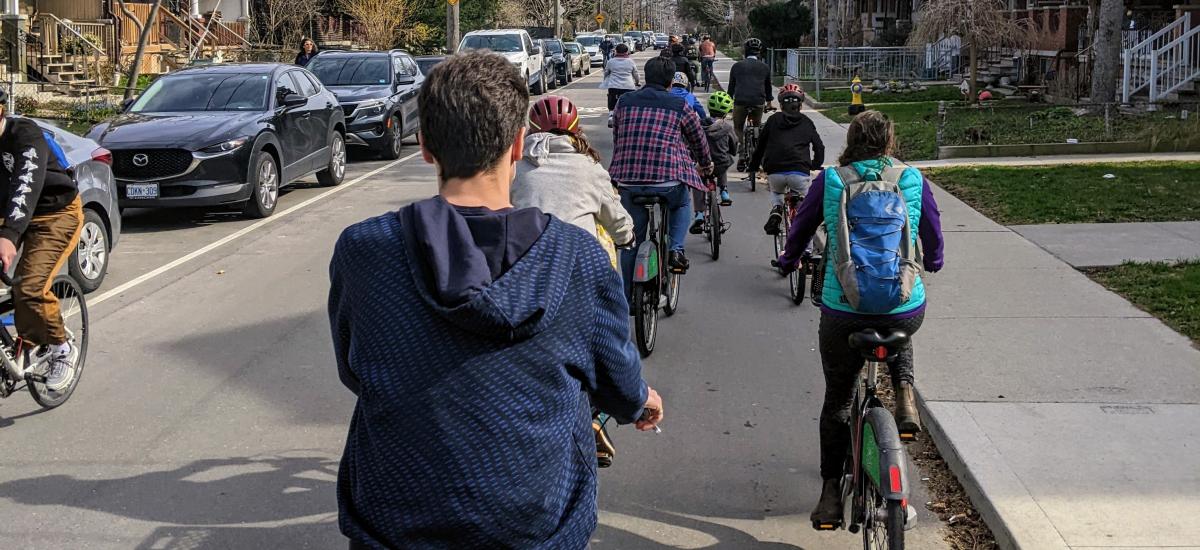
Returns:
(239, 233)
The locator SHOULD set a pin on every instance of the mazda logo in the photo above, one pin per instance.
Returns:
(141, 159)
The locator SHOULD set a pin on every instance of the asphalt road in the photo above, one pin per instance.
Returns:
(210, 415)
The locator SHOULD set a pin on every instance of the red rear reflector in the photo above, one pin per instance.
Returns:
(102, 155)
(894, 474)
(881, 352)
(641, 271)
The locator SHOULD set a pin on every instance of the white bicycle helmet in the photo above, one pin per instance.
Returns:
(680, 80)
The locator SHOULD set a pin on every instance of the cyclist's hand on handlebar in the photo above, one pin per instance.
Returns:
(652, 411)
(708, 169)
(8, 253)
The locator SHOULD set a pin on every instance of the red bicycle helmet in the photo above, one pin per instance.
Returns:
(791, 89)
(554, 113)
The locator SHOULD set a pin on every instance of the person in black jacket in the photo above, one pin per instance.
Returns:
(683, 64)
(789, 149)
(308, 50)
(40, 209)
(750, 86)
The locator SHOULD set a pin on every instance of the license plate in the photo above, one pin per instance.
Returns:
(142, 191)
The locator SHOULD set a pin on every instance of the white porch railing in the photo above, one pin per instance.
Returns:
(1141, 66)
(1175, 64)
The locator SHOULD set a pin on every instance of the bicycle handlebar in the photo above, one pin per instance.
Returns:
(4, 278)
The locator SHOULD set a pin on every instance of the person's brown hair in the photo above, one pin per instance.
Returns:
(871, 135)
(472, 105)
(581, 143)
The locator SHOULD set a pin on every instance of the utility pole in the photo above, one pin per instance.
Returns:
(452, 31)
(557, 18)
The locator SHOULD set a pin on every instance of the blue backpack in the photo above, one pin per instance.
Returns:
(877, 260)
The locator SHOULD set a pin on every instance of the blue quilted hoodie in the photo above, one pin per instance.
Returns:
(472, 428)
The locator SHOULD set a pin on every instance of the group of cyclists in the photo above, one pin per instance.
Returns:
(666, 144)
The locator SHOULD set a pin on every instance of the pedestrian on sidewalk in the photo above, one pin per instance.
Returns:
(308, 50)
(474, 334)
(620, 76)
(869, 143)
(789, 150)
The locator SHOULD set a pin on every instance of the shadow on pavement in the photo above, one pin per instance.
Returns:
(659, 529)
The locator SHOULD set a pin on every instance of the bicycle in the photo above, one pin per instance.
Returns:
(810, 264)
(21, 365)
(651, 283)
(709, 75)
(714, 225)
(749, 144)
(875, 480)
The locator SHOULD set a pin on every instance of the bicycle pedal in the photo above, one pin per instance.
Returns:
(32, 377)
(827, 525)
(908, 436)
(725, 226)
(603, 461)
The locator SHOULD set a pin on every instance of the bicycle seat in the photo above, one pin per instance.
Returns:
(649, 199)
(877, 345)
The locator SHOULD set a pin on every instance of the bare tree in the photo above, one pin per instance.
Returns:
(135, 68)
(285, 20)
(1106, 51)
(380, 19)
(980, 23)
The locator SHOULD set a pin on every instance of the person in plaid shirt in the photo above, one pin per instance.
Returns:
(658, 142)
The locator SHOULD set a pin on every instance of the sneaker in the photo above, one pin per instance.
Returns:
(678, 262)
(698, 224)
(774, 221)
(726, 200)
(62, 369)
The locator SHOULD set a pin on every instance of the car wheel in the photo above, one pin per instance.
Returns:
(264, 185)
(89, 264)
(393, 140)
(336, 171)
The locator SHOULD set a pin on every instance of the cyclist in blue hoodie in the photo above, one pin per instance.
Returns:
(679, 87)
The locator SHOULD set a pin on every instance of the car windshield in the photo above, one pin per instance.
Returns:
(573, 48)
(205, 92)
(589, 40)
(427, 65)
(494, 42)
(357, 70)
(634, 35)
(553, 46)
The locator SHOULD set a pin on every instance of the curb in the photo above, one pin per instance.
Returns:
(1029, 529)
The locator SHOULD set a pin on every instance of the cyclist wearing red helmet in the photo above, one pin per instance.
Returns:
(789, 149)
(561, 175)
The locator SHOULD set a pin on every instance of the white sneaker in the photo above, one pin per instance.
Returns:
(61, 372)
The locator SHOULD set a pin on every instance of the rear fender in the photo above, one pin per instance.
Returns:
(645, 267)
(886, 467)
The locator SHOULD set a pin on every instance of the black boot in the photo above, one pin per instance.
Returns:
(774, 220)
(678, 262)
(908, 420)
(828, 513)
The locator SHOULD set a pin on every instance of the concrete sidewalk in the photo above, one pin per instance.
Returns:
(1069, 415)
(1057, 159)
(1107, 244)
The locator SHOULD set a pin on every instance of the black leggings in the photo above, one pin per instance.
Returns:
(613, 95)
(842, 366)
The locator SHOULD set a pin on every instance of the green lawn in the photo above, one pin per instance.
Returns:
(1164, 290)
(916, 127)
(1140, 192)
(932, 93)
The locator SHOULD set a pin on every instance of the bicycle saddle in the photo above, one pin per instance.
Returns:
(869, 341)
(649, 199)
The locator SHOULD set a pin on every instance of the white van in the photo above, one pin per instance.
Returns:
(517, 46)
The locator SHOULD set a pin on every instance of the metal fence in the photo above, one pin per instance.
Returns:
(933, 62)
(1172, 127)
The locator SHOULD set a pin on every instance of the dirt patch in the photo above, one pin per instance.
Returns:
(962, 528)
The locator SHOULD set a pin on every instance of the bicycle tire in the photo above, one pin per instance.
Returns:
(796, 284)
(645, 308)
(73, 306)
(672, 305)
(714, 225)
(780, 244)
(886, 533)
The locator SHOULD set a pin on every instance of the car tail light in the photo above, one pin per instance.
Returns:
(102, 155)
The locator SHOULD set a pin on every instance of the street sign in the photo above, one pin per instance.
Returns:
(599, 18)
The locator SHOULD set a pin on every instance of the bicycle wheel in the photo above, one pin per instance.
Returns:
(780, 244)
(75, 319)
(645, 307)
(672, 290)
(796, 284)
(883, 518)
(714, 225)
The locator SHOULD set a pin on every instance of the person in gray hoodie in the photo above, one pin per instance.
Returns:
(561, 175)
(620, 76)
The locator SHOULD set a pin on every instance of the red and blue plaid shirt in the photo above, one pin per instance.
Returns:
(657, 138)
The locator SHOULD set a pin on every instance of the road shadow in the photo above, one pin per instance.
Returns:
(714, 535)
(6, 421)
(218, 491)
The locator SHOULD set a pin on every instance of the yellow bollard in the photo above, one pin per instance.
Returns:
(856, 102)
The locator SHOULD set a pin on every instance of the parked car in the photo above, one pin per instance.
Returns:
(427, 62)
(548, 65)
(91, 166)
(581, 61)
(378, 94)
(225, 134)
(518, 47)
(661, 41)
(591, 45)
(560, 59)
(636, 38)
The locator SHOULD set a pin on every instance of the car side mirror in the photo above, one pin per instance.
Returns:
(294, 100)
(404, 79)
(125, 105)
(535, 51)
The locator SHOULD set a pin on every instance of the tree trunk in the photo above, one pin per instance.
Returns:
(1106, 51)
(135, 68)
(972, 88)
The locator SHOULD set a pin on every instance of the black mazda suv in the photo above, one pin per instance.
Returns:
(225, 134)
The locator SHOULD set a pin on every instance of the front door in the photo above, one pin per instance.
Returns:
(316, 124)
(292, 136)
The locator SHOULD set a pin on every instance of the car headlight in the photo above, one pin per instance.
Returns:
(226, 146)
(370, 108)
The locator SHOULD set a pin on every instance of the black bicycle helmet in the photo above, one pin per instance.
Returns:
(752, 46)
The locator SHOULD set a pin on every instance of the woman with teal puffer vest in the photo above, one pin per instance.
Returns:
(869, 143)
